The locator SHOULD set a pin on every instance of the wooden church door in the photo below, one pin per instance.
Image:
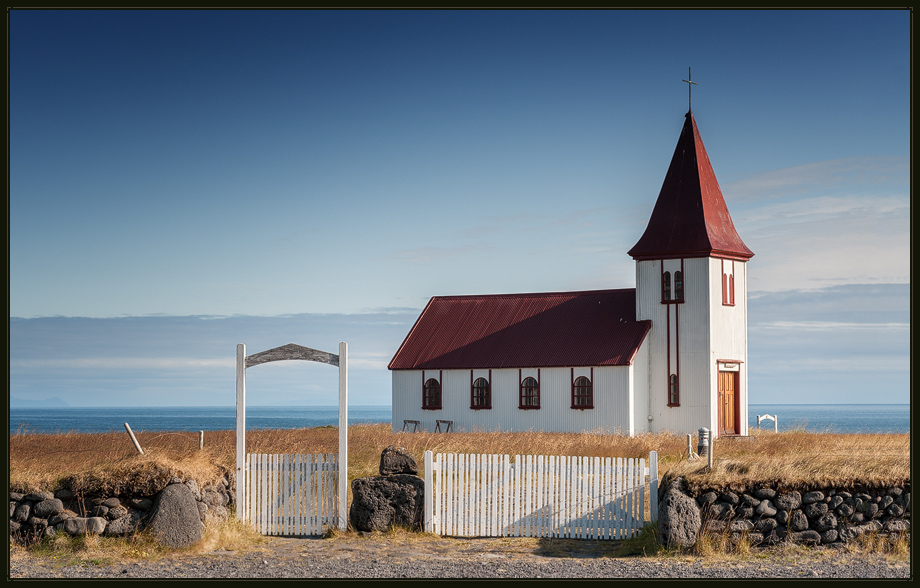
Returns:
(728, 403)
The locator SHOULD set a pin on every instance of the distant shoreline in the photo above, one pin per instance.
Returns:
(844, 418)
(389, 407)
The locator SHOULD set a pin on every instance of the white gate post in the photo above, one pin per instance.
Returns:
(343, 436)
(429, 490)
(240, 431)
(653, 485)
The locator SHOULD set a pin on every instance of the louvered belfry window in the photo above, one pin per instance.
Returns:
(481, 394)
(728, 289)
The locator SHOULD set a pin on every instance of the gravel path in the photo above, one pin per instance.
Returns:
(383, 557)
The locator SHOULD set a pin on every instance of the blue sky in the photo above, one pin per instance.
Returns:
(184, 181)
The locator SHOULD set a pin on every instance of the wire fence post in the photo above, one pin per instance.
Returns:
(200, 440)
(134, 439)
(711, 448)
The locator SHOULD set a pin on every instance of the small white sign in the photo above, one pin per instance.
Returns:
(728, 367)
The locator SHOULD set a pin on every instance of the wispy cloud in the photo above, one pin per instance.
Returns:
(832, 365)
(826, 326)
(845, 233)
(827, 208)
(878, 172)
(126, 363)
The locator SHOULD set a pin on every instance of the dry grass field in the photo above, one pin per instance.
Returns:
(794, 459)
(93, 462)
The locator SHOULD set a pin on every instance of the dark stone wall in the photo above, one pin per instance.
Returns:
(815, 516)
(41, 514)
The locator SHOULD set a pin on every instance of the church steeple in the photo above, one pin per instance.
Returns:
(690, 218)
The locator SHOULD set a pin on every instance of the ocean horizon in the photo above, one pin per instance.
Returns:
(824, 418)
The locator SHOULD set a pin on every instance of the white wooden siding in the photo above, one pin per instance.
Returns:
(729, 333)
(639, 378)
(702, 326)
(610, 413)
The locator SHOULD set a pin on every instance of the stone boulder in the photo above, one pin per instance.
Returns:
(788, 501)
(397, 460)
(380, 503)
(144, 504)
(766, 508)
(174, 520)
(807, 537)
(84, 526)
(797, 521)
(678, 517)
(61, 517)
(815, 510)
(22, 512)
(116, 513)
(126, 524)
(48, 508)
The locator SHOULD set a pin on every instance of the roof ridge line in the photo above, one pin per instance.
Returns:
(535, 294)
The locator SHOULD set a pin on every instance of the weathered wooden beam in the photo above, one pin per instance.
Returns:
(292, 351)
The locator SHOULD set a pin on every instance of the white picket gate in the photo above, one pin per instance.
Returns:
(291, 494)
(472, 495)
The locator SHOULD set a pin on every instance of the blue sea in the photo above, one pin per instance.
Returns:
(842, 418)
(834, 418)
(187, 418)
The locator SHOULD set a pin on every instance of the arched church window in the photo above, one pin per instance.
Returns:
(666, 286)
(481, 394)
(582, 393)
(431, 395)
(530, 393)
(673, 391)
(679, 285)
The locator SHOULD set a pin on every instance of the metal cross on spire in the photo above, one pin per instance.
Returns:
(690, 85)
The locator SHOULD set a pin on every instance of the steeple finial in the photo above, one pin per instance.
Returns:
(690, 85)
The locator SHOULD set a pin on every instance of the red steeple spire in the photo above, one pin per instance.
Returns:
(690, 218)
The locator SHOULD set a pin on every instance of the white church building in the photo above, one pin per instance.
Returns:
(667, 355)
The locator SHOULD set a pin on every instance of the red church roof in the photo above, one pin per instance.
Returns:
(690, 218)
(562, 329)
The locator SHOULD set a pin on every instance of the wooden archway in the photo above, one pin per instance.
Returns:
(289, 352)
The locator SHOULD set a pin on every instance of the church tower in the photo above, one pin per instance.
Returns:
(691, 282)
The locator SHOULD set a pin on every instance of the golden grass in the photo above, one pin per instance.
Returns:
(62, 549)
(109, 462)
(796, 459)
(895, 546)
(722, 545)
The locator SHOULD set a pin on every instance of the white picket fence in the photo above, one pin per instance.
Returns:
(471, 495)
(291, 494)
